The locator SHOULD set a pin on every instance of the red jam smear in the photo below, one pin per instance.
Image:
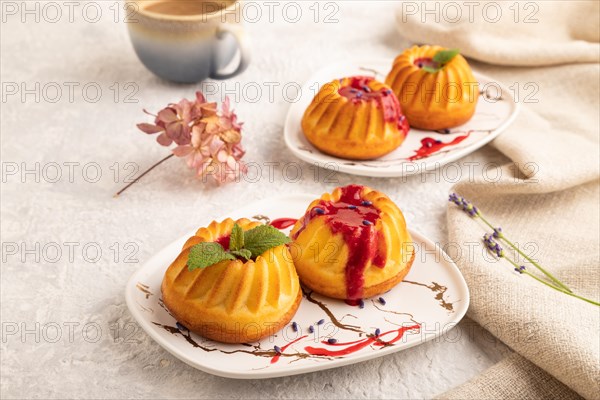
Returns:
(355, 219)
(430, 146)
(276, 356)
(425, 62)
(359, 90)
(223, 241)
(352, 347)
(283, 223)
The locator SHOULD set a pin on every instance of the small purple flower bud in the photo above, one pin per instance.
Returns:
(319, 210)
(181, 327)
(366, 203)
(332, 341)
(352, 207)
(377, 332)
(361, 303)
(277, 349)
(382, 301)
(311, 329)
(321, 322)
(522, 268)
(367, 223)
(294, 327)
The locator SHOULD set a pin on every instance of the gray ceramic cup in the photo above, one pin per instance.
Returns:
(189, 48)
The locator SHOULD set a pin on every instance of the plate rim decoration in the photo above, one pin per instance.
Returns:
(379, 168)
(199, 360)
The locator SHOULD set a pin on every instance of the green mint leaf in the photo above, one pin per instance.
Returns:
(244, 253)
(236, 239)
(429, 69)
(263, 238)
(445, 56)
(206, 254)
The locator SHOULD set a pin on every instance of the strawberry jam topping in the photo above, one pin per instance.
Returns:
(224, 241)
(283, 223)
(359, 90)
(355, 219)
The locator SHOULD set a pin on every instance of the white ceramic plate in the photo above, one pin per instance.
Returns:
(496, 109)
(431, 300)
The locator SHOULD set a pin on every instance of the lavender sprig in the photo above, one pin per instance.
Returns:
(496, 249)
(474, 213)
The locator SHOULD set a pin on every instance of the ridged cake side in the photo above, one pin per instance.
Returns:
(433, 100)
(351, 126)
(321, 255)
(232, 300)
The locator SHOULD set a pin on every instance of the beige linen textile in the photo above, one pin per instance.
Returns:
(550, 200)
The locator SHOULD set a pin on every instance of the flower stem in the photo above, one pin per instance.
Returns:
(511, 244)
(143, 174)
(373, 71)
(552, 286)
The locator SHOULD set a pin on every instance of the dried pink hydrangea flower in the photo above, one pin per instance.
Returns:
(210, 140)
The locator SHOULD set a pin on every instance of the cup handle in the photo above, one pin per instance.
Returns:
(242, 43)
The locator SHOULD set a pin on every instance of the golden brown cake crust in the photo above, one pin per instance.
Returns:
(323, 246)
(232, 301)
(350, 122)
(187, 317)
(368, 291)
(433, 101)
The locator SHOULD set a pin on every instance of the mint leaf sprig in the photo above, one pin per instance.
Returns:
(445, 56)
(245, 245)
(441, 58)
(494, 247)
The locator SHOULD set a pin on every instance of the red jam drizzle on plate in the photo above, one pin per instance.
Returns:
(282, 223)
(359, 90)
(276, 356)
(352, 347)
(354, 218)
(431, 145)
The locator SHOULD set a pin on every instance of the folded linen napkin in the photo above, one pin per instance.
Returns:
(548, 198)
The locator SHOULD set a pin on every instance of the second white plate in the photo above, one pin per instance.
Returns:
(496, 110)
